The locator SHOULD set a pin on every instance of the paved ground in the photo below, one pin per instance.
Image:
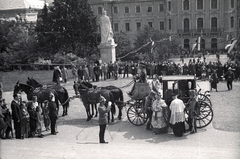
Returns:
(79, 139)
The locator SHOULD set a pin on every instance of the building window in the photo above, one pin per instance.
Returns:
(161, 7)
(186, 43)
(150, 24)
(200, 4)
(161, 25)
(213, 43)
(138, 9)
(100, 10)
(149, 9)
(199, 24)
(169, 24)
(214, 24)
(115, 10)
(232, 22)
(214, 4)
(169, 6)
(186, 5)
(186, 25)
(126, 9)
(232, 3)
(115, 27)
(127, 26)
(139, 25)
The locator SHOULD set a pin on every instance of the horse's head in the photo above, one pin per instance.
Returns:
(32, 82)
(19, 87)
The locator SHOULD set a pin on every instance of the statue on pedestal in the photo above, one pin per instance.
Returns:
(106, 29)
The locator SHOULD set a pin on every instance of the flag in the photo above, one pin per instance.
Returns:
(227, 46)
(193, 47)
(232, 45)
(199, 41)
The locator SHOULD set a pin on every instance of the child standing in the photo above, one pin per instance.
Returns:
(25, 120)
(38, 123)
(45, 113)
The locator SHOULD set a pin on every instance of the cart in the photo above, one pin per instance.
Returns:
(135, 113)
(182, 84)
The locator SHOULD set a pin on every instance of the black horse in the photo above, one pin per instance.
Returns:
(115, 91)
(42, 94)
(61, 92)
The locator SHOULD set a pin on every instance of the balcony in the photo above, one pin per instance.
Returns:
(204, 31)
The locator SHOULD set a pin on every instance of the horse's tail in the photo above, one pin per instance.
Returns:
(112, 99)
(121, 95)
(66, 97)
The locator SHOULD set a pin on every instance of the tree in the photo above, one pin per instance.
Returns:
(123, 44)
(68, 26)
(161, 47)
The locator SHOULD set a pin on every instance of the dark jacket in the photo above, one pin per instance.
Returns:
(53, 111)
(16, 111)
(103, 115)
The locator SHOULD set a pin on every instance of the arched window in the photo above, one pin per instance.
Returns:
(126, 9)
(138, 10)
(199, 24)
(199, 4)
(214, 24)
(186, 43)
(186, 5)
(169, 6)
(214, 4)
(232, 22)
(186, 25)
(213, 43)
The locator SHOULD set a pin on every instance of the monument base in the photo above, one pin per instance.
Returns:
(107, 52)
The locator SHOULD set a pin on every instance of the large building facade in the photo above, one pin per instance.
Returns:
(216, 21)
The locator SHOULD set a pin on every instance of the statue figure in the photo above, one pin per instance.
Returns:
(106, 29)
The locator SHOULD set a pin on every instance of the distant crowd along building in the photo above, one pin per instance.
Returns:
(216, 21)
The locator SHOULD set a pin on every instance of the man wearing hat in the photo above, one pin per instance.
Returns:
(229, 76)
(177, 117)
(53, 113)
(102, 121)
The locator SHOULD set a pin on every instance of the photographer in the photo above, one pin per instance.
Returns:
(103, 110)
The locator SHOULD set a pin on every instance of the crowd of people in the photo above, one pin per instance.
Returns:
(28, 118)
(94, 71)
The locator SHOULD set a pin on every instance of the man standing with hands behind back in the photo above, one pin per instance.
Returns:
(16, 115)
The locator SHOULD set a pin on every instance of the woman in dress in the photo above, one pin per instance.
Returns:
(159, 122)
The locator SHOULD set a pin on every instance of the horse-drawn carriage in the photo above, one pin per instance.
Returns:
(179, 84)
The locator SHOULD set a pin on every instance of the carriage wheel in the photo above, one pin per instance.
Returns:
(205, 116)
(204, 98)
(135, 115)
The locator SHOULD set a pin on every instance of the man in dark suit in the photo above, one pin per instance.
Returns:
(16, 115)
(53, 113)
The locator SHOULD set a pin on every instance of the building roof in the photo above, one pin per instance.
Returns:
(21, 4)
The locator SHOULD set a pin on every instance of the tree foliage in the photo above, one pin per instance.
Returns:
(18, 42)
(123, 44)
(68, 26)
(159, 50)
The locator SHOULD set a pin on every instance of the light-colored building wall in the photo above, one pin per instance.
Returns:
(176, 13)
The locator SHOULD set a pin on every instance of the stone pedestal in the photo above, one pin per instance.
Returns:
(107, 52)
